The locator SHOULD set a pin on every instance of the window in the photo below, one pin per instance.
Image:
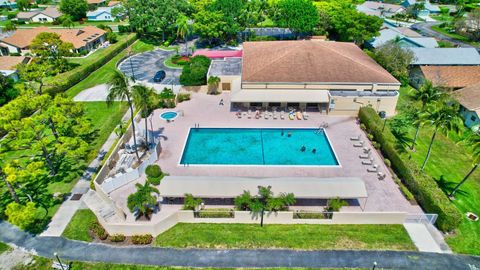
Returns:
(473, 118)
(226, 86)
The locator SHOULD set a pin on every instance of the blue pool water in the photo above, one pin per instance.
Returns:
(256, 146)
(168, 115)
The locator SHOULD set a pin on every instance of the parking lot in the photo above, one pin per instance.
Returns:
(144, 66)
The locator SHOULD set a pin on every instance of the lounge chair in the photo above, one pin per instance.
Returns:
(358, 144)
(364, 156)
(305, 115)
(357, 138)
(367, 150)
(367, 162)
(291, 116)
(299, 115)
(373, 169)
(274, 115)
(282, 115)
(381, 175)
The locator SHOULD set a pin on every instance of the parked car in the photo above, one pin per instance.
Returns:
(159, 76)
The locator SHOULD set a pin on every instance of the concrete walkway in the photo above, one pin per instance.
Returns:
(68, 208)
(83, 251)
(422, 238)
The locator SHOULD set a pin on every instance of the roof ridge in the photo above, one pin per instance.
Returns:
(351, 60)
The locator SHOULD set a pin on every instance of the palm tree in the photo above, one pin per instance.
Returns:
(213, 83)
(426, 94)
(183, 29)
(142, 200)
(474, 141)
(143, 98)
(442, 117)
(120, 90)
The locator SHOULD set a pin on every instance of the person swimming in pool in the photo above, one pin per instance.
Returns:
(314, 150)
(283, 132)
(289, 134)
(303, 148)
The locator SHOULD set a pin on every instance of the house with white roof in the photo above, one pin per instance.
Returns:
(429, 8)
(101, 14)
(49, 14)
(445, 57)
(380, 9)
(8, 4)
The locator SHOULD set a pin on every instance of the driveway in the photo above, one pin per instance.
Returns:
(145, 65)
(83, 251)
(426, 30)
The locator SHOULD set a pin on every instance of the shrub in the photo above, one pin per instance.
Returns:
(195, 72)
(370, 137)
(117, 238)
(98, 230)
(181, 97)
(363, 127)
(142, 239)
(112, 37)
(123, 29)
(191, 203)
(308, 215)
(216, 213)
(334, 205)
(387, 162)
(153, 171)
(422, 186)
(68, 79)
(243, 202)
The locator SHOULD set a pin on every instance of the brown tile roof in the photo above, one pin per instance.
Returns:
(9, 62)
(469, 97)
(78, 37)
(407, 32)
(452, 76)
(310, 61)
(95, 2)
(113, 3)
(51, 12)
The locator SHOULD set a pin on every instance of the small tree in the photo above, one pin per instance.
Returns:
(142, 201)
(21, 215)
(191, 203)
(213, 83)
(243, 202)
(334, 205)
(154, 174)
(300, 16)
(395, 59)
(77, 9)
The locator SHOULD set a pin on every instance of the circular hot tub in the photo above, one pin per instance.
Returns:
(169, 115)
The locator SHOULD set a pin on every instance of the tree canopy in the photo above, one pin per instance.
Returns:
(77, 9)
(300, 16)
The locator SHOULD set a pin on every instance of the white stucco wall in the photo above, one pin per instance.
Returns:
(41, 18)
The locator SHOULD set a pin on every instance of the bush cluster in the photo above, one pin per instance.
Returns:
(216, 213)
(195, 72)
(154, 174)
(309, 215)
(142, 239)
(423, 187)
(68, 79)
(117, 238)
(98, 230)
(181, 97)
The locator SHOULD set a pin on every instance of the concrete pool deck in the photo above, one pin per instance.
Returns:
(205, 111)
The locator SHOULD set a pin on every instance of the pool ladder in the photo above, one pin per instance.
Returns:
(197, 125)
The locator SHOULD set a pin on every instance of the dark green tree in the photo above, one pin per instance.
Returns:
(300, 16)
(77, 9)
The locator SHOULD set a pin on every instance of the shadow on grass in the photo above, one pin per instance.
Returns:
(448, 186)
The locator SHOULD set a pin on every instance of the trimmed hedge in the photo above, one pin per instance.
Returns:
(216, 213)
(423, 187)
(309, 215)
(68, 79)
(142, 239)
(98, 230)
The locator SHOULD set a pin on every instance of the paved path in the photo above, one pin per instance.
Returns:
(83, 251)
(422, 238)
(96, 93)
(68, 208)
(146, 64)
(426, 30)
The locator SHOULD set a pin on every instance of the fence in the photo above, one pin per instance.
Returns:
(245, 217)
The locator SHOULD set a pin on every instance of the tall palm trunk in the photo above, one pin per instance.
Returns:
(146, 133)
(415, 137)
(12, 191)
(463, 180)
(133, 127)
(429, 150)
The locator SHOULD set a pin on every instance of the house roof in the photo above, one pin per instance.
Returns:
(446, 56)
(469, 97)
(393, 33)
(78, 37)
(452, 76)
(310, 61)
(114, 3)
(9, 62)
(99, 11)
(95, 2)
(379, 7)
(51, 12)
(230, 66)
(425, 42)
(216, 54)
(407, 32)
(231, 187)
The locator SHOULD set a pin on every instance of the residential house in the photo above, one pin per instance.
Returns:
(326, 76)
(86, 38)
(96, 3)
(445, 57)
(101, 14)
(404, 38)
(469, 99)
(380, 9)
(49, 14)
(428, 9)
(8, 65)
(113, 4)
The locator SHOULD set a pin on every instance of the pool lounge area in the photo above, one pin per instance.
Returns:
(258, 147)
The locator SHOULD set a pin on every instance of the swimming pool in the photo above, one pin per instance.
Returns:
(258, 146)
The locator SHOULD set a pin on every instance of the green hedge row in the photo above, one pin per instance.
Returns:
(424, 188)
(216, 213)
(64, 81)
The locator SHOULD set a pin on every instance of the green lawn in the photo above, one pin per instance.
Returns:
(454, 35)
(4, 247)
(449, 162)
(168, 62)
(298, 236)
(79, 225)
(105, 73)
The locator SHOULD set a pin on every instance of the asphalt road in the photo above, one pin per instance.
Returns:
(92, 252)
(426, 30)
(145, 65)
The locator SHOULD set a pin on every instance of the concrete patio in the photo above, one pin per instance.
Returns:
(204, 110)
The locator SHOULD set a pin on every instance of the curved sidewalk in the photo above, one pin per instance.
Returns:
(82, 251)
